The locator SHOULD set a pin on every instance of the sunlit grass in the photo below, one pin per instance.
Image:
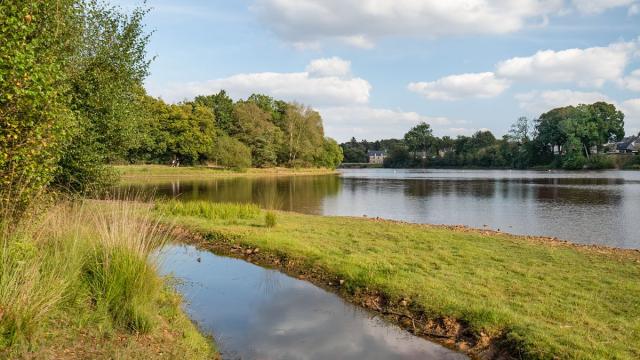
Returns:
(547, 300)
(90, 265)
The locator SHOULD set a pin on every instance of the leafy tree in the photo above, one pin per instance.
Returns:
(222, 106)
(420, 138)
(38, 40)
(303, 134)
(521, 131)
(106, 77)
(354, 152)
(398, 157)
(229, 152)
(331, 155)
(256, 130)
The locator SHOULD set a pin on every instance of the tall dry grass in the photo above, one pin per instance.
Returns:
(87, 256)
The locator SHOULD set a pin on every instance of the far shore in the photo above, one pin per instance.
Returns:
(135, 173)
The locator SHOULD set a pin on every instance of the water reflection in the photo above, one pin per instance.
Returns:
(262, 314)
(585, 207)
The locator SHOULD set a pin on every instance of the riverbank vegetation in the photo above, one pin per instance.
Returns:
(79, 280)
(488, 292)
(136, 173)
(568, 137)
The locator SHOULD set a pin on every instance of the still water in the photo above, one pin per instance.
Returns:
(256, 313)
(584, 207)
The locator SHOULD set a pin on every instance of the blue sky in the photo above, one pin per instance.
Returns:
(375, 68)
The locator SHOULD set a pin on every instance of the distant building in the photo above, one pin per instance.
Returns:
(376, 157)
(628, 145)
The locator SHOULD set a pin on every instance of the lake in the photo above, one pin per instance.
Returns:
(584, 207)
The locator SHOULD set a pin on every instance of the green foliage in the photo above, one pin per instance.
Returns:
(330, 156)
(270, 219)
(70, 75)
(600, 162)
(420, 139)
(230, 153)
(209, 210)
(38, 40)
(222, 106)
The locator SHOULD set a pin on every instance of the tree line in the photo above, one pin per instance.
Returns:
(571, 137)
(72, 102)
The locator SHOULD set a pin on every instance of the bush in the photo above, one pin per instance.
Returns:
(231, 153)
(270, 219)
(598, 162)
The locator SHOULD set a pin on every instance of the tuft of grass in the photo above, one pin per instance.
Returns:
(270, 219)
(546, 299)
(87, 264)
(210, 210)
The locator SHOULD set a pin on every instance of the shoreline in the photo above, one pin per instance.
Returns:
(135, 173)
(385, 297)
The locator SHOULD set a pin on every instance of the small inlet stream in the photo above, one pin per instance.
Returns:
(257, 313)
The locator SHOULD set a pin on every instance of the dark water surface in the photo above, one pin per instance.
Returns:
(584, 207)
(256, 313)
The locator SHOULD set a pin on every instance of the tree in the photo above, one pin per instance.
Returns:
(106, 76)
(38, 40)
(222, 106)
(256, 130)
(419, 138)
(521, 131)
(229, 152)
(330, 155)
(303, 134)
(549, 129)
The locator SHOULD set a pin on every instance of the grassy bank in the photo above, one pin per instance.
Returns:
(79, 280)
(483, 292)
(150, 172)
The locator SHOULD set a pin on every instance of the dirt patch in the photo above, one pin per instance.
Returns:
(449, 332)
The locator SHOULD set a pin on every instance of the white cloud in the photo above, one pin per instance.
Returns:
(333, 66)
(538, 102)
(631, 110)
(453, 87)
(362, 22)
(598, 6)
(634, 10)
(364, 122)
(585, 67)
(632, 81)
(325, 83)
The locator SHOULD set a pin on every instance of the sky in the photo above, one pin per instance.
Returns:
(376, 68)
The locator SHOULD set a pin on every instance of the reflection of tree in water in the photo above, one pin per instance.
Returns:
(297, 193)
(430, 187)
(270, 282)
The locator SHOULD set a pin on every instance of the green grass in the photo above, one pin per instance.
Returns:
(212, 211)
(548, 300)
(79, 277)
(144, 173)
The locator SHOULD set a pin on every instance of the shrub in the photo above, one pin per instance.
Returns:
(270, 219)
(597, 162)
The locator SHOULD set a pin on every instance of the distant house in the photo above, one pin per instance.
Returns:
(376, 157)
(628, 145)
